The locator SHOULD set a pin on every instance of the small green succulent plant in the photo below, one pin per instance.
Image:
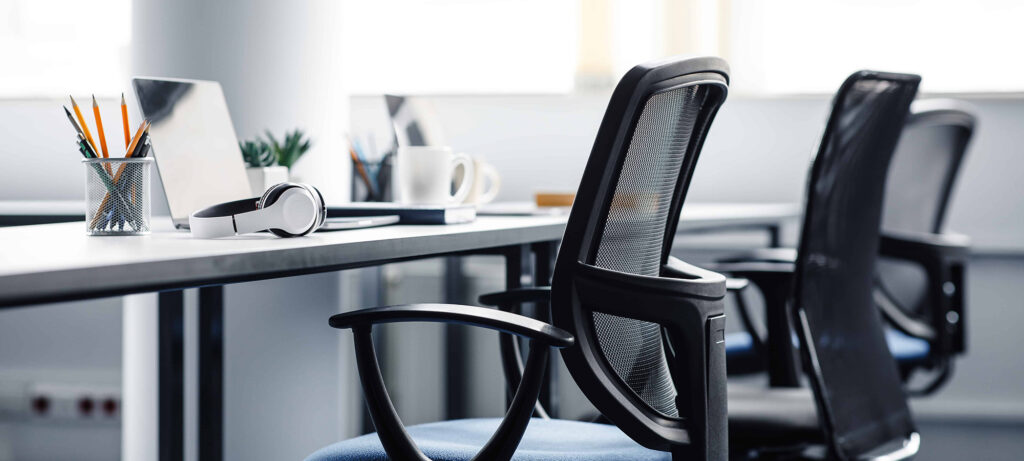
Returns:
(257, 153)
(289, 151)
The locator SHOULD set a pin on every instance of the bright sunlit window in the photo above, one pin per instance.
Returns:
(460, 46)
(809, 46)
(55, 47)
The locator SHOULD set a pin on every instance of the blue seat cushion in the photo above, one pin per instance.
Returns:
(545, 440)
(739, 342)
(904, 348)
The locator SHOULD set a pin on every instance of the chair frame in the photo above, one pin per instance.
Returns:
(686, 301)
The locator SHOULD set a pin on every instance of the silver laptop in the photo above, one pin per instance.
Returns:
(194, 143)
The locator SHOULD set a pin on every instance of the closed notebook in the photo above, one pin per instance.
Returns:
(407, 214)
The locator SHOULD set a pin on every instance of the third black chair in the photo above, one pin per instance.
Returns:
(920, 274)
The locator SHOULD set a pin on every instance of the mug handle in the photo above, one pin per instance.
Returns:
(490, 174)
(467, 177)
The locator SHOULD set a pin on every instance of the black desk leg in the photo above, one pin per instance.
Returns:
(775, 235)
(544, 263)
(211, 373)
(783, 363)
(516, 264)
(171, 375)
(456, 342)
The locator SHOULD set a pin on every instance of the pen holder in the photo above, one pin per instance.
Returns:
(117, 196)
(379, 174)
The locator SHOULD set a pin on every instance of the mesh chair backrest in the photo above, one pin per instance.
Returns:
(845, 354)
(925, 166)
(627, 207)
(632, 237)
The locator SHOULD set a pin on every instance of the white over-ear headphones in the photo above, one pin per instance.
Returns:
(286, 210)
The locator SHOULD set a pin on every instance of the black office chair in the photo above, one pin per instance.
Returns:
(642, 333)
(920, 275)
(857, 407)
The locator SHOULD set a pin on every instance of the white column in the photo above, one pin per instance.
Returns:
(139, 378)
(279, 63)
(280, 66)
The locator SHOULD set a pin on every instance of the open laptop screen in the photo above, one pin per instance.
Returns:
(194, 143)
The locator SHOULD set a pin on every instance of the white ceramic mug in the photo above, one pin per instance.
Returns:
(486, 182)
(424, 175)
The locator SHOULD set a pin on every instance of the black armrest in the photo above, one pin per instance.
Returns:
(679, 269)
(772, 270)
(517, 296)
(767, 255)
(506, 322)
(944, 259)
(736, 284)
(393, 436)
(923, 247)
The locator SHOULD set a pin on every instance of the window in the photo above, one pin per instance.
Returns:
(51, 48)
(809, 46)
(460, 46)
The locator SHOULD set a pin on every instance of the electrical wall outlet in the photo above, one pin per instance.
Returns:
(59, 402)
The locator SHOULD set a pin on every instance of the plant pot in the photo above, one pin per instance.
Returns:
(261, 178)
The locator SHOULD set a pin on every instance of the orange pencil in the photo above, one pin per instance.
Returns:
(81, 121)
(117, 177)
(124, 122)
(99, 126)
(135, 139)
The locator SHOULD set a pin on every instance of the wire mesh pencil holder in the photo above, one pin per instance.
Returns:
(117, 200)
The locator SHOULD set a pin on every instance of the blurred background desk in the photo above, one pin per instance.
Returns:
(25, 212)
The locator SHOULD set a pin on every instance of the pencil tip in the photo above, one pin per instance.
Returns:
(73, 103)
(94, 100)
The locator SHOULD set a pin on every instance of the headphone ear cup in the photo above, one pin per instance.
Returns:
(271, 196)
(274, 193)
(321, 207)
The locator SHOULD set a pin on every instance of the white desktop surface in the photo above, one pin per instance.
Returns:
(61, 260)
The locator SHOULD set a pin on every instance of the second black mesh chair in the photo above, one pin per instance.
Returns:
(858, 408)
(643, 334)
(920, 275)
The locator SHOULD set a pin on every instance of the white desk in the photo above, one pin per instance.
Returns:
(53, 262)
